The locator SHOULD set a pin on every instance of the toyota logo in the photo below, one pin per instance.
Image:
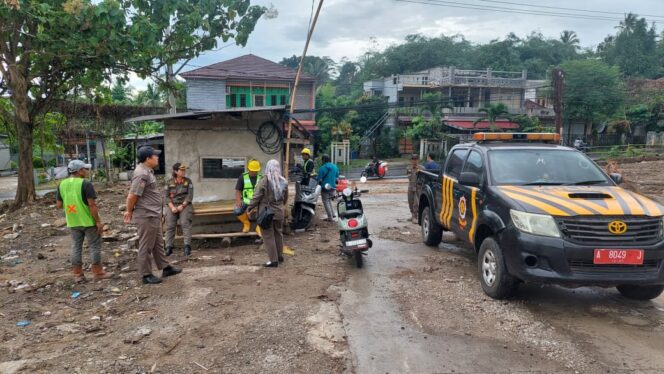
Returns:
(617, 227)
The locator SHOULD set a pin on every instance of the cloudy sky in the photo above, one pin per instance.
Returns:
(348, 28)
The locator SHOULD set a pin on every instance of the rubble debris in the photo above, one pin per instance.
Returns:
(137, 335)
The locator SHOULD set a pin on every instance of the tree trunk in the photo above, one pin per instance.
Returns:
(25, 191)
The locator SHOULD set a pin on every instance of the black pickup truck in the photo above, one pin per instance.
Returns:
(535, 211)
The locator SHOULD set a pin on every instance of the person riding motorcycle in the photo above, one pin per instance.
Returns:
(244, 191)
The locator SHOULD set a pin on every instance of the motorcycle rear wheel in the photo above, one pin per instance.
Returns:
(302, 219)
(359, 261)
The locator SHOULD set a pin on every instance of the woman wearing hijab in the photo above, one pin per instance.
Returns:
(272, 191)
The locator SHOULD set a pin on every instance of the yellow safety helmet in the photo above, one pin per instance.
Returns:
(254, 165)
(306, 151)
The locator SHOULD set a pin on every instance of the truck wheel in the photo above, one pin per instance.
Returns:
(432, 232)
(496, 281)
(640, 292)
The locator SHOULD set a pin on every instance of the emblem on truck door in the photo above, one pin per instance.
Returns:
(462, 212)
(617, 227)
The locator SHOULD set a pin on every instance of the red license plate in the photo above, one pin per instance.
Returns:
(618, 256)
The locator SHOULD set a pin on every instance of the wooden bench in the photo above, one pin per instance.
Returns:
(216, 208)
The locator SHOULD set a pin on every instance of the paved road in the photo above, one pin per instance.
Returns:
(393, 171)
(603, 330)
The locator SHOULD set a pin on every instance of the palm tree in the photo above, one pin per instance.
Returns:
(569, 38)
(629, 23)
(491, 113)
(152, 96)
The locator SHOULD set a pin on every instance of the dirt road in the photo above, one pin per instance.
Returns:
(412, 309)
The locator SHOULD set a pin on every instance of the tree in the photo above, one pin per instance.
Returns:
(120, 93)
(634, 48)
(593, 91)
(320, 68)
(152, 96)
(50, 47)
(569, 38)
(491, 113)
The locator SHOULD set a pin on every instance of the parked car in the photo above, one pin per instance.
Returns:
(535, 211)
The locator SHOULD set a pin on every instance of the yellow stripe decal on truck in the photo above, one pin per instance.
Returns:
(568, 204)
(632, 203)
(537, 204)
(443, 202)
(651, 207)
(473, 204)
(450, 199)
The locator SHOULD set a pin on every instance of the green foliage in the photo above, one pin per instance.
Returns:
(321, 68)
(593, 91)
(120, 93)
(634, 48)
(425, 129)
(531, 124)
(59, 46)
(149, 128)
(120, 156)
(614, 152)
(491, 113)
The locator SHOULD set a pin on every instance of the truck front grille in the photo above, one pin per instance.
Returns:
(595, 230)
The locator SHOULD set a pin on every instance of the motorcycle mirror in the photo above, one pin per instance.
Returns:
(363, 179)
(347, 192)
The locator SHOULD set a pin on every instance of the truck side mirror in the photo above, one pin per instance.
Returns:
(469, 179)
(616, 177)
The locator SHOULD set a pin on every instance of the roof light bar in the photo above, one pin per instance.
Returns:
(532, 137)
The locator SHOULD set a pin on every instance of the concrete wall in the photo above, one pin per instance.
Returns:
(206, 94)
(188, 141)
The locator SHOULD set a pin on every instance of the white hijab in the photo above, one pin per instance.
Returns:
(277, 182)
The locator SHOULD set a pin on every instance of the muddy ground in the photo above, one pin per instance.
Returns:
(412, 309)
(224, 313)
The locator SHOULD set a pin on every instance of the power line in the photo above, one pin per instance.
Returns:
(561, 8)
(452, 4)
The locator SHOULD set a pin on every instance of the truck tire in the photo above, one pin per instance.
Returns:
(640, 292)
(496, 281)
(432, 232)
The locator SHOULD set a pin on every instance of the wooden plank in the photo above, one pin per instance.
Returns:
(214, 208)
(224, 235)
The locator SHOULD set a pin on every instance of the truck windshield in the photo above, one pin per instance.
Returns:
(543, 167)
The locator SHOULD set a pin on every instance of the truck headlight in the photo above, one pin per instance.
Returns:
(537, 224)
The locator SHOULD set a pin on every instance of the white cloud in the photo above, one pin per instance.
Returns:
(346, 27)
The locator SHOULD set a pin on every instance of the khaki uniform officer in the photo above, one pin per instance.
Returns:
(412, 187)
(244, 191)
(144, 207)
(179, 196)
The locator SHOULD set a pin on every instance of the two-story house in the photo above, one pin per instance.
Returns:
(249, 81)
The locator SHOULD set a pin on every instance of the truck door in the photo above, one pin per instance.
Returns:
(450, 189)
(469, 198)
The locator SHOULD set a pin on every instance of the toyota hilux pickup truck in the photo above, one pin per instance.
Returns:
(535, 211)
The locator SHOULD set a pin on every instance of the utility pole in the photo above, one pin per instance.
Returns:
(558, 80)
(297, 81)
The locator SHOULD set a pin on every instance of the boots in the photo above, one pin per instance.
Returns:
(246, 225)
(187, 250)
(99, 272)
(77, 271)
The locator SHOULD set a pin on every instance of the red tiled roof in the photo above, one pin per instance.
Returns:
(468, 125)
(246, 67)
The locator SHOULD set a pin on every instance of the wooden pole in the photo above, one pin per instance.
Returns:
(297, 81)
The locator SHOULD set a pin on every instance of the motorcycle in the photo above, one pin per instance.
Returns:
(372, 170)
(304, 207)
(353, 225)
